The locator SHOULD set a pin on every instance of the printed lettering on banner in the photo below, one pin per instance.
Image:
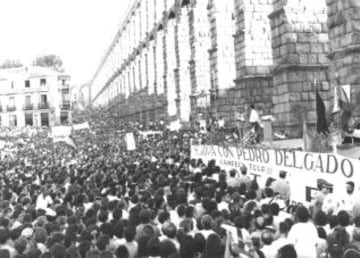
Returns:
(303, 168)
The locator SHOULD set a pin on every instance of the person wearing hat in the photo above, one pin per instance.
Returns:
(319, 196)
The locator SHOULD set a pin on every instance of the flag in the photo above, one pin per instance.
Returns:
(67, 140)
(342, 103)
(322, 126)
(70, 142)
(336, 107)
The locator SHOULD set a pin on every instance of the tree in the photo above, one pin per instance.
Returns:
(52, 61)
(8, 63)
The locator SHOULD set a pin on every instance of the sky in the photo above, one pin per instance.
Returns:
(79, 31)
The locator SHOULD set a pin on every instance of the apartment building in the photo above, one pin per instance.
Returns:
(34, 96)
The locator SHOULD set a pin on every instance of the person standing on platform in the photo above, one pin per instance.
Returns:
(254, 120)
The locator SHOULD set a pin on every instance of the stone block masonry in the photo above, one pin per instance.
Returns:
(300, 47)
(344, 32)
(222, 53)
(253, 56)
(199, 57)
(173, 59)
(183, 56)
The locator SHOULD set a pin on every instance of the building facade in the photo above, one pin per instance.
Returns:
(80, 96)
(174, 59)
(34, 96)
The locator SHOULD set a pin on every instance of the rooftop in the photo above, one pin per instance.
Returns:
(28, 72)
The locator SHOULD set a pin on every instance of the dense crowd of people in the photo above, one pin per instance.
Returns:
(100, 200)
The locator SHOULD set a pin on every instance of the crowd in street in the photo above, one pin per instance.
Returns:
(100, 200)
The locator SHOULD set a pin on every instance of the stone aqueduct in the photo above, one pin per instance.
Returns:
(171, 59)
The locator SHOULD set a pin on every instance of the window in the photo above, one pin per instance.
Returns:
(65, 96)
(42, 82)
(64, 116)
(12, 85)
(12, 102)
(28, 104)
(44, 119)
(28, 100)
(63, 82)
(12, 120)
(29, 119)
(27, 84)
(43, 101)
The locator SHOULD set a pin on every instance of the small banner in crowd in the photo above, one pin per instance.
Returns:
(81, 126)
(130, 142)
(62, 134)
(175, 126)
(61, 131)
(303, 168)
(2, 144)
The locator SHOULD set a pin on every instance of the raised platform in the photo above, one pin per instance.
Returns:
(351, 151)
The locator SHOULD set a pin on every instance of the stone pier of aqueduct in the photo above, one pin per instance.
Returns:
(171, 59)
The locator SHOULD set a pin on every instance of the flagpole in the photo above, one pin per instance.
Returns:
(335, 111)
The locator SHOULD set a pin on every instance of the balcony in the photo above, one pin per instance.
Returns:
(44, 105)
(64, 87)
(65, 104)
(10, 108)
(29, 107)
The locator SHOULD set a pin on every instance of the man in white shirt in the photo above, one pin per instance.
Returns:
(348, 200)
(282, 236)
(268, 249)
(43, 200)
(254, 120)
(207, 223)
(303, 235)
(221, 123)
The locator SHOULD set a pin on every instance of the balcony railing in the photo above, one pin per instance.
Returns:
(11, 108)
(64, 86)
(43, 106)
(29, 107)
(65, 105)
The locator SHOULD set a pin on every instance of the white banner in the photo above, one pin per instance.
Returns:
(303, 168)
(2, 144)
(60, 133)
(130, 142)
(81, 126)
(175, 126)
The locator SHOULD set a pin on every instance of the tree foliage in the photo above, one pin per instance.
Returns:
(51, 61)
(8, 63)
